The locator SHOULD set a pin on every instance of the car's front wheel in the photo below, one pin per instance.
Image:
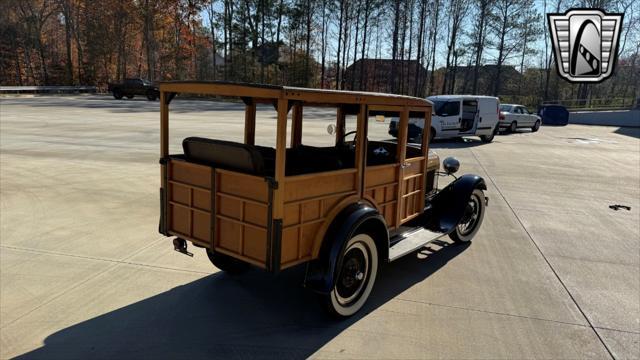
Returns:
(152, 95)
(355, 276)
(471, 219)
(117, 94)
(130, 96)
(536, 126)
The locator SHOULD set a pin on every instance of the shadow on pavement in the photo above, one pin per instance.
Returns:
(256, 315)
(629, 131)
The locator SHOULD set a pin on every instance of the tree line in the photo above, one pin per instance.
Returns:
(415, 47)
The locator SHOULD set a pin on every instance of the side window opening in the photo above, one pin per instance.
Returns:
(382, 148)
(318, 151)
(415, 131)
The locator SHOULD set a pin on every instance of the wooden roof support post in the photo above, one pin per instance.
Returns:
(340, 124)
(296, 125)
(426, 133)
(281, 148)
(402, 154)
(361, 146)
(250, 123)
(164, 125)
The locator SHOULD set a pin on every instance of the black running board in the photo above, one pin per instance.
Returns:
(412, 241)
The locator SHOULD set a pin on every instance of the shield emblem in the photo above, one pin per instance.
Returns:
(585, 43)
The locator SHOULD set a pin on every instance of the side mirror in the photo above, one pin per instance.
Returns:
(450, 165)
(331, 129)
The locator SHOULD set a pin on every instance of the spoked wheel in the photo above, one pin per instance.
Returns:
(472, 218)
(227, 263)
(355, 277)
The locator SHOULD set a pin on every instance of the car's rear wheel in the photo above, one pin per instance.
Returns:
(117, 94)
(536, 126)
(355, 276)
(471, 219)
(227, 263)
(513, 127)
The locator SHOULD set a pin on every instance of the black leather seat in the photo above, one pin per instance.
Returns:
(260, 160)
(229, 155)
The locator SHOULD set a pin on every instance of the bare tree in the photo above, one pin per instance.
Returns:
(505, 24)
(434, 37)
(480, 29)
(457, 11)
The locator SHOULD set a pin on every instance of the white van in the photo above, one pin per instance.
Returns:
(457, 115)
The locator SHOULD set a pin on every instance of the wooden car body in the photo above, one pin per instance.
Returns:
(277, 207)
(278, 220)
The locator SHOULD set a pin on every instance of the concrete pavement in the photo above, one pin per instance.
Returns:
(553, 273)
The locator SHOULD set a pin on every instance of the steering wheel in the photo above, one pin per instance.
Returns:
(352, 145)
(344, 137)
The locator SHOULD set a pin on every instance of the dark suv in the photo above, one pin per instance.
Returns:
(132, 87)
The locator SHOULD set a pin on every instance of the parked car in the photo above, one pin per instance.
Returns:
(514, 117)
(132, 87)
(554, 115)
(455, 116)
(341, 209)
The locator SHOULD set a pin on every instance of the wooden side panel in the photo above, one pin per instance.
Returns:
(241, 216)
(308, 201)
(381, 187)
(189, 201)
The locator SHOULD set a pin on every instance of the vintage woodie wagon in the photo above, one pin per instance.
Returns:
(340, 209)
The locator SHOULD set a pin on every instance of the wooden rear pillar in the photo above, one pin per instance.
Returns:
(281, 148)
(340, 124)
(296, 125)
(250, 123)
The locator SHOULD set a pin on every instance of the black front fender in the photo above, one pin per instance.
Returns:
(449, 204)
(321, 272)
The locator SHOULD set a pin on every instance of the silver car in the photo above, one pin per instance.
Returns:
(513, 117)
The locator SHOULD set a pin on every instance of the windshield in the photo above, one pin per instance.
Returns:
(505, 108)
